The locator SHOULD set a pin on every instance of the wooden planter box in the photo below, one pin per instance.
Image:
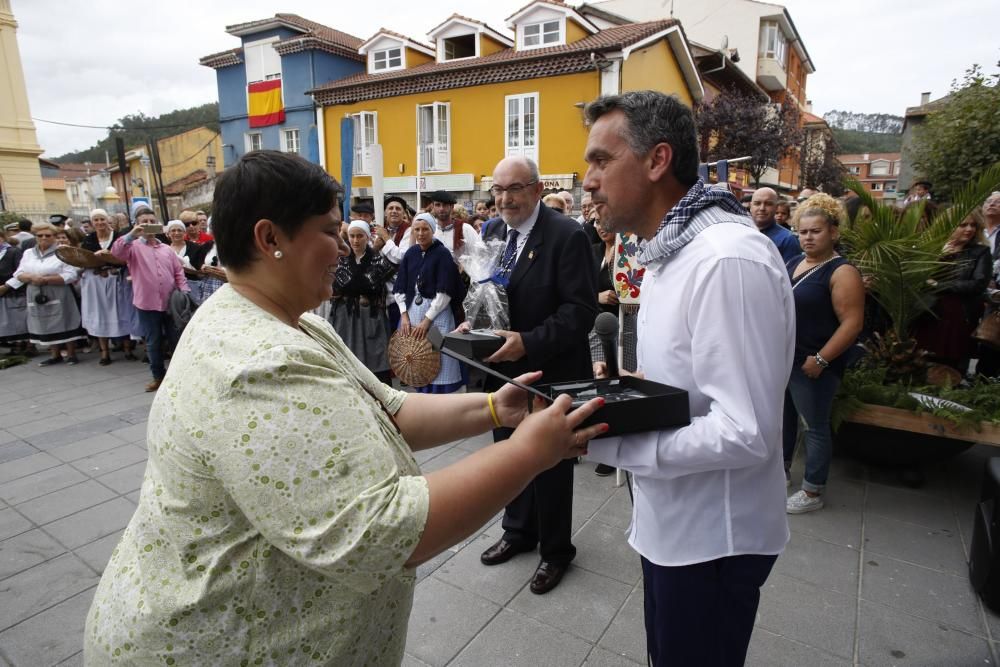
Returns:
(924, 424)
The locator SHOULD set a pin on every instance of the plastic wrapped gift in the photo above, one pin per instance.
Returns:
(486, 306)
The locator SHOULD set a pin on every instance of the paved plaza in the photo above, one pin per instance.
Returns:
(876, 578)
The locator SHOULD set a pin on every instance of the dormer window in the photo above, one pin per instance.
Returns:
(545, 33)
(463, 46)
(387, 59)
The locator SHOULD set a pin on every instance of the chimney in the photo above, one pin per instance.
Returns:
(809, 106)
(865, 157)
(925, 98)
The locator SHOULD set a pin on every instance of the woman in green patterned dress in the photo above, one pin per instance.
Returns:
(282, 513)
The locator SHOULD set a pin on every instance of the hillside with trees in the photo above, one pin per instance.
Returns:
(865, 132)
(137, 129)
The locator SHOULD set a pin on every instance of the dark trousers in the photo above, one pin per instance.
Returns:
(703, 614)
(152, 323)
(543, 513)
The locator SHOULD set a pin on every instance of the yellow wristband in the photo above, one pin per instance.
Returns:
(493, 411)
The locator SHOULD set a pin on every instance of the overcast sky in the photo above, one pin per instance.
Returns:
(92, 63)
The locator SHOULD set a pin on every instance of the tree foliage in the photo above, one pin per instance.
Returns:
(818, 164)
(857, 141)
(873, 123)
(137, 129)
(736, 125)
(899, 253)
(962, 138)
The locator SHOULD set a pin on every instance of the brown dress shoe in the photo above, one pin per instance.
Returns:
(154, 385)
(501, 552)
(546, 577)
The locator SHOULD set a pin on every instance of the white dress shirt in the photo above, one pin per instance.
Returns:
(524, 230)
(32, 261)
(394, 253)
(718, 320)
(447, 236)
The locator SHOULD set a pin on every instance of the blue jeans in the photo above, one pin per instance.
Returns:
(813, 401)
(151, 322)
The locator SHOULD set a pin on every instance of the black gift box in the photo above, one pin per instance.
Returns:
(473, 345)
(632, 405)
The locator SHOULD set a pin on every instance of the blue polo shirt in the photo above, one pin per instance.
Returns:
(787, 242)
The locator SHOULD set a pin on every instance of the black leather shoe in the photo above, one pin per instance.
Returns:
(604, 470)
(501, 552)
(547, 577)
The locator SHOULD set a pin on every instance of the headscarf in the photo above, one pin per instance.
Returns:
(429, 219)
(99, 211)
(362, 225)
(175, 223)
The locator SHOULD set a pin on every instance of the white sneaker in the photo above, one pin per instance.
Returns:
(800, 503)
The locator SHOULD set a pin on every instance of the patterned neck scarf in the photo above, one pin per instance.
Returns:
(682, 223)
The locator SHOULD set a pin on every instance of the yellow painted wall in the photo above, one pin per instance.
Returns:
(574, 32)
(488, 45)
(21, 182)
(415, 58)
(477, 126)
(185, 153)
(56, 200)
(654, 68)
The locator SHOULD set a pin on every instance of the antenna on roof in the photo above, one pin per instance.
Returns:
(664, 4)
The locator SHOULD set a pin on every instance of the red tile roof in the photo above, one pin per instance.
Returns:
(314, 36)
(860, 157)
(222, 58)
(504, 65)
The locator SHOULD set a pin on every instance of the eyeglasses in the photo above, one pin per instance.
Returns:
(44, 236)
(515, 189)
(190, 224)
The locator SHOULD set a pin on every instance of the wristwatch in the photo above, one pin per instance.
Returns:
(821, 361)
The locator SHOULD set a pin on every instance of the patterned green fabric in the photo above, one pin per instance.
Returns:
(278, 508)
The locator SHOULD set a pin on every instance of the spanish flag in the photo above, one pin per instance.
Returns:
(265, 106)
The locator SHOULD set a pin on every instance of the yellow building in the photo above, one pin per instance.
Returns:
(20, 179)
(449, 111)
(186, 159)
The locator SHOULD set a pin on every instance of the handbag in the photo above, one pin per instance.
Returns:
(988, 331)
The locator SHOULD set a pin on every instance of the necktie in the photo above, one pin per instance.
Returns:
(507, 263)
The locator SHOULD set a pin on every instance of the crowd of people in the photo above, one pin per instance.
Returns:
(125, 295)
(306, 460)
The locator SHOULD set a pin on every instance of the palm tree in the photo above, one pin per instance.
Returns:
(899, 253)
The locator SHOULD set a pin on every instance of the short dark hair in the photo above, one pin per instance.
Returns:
(782, 204)
(281, 187)
(654, 118)
(24, 225)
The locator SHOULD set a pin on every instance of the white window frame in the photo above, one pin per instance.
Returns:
(854, 169)
(387, 59)
(773, 43)
(362, 142)
(883, 168)
(876, 187)
(516, 132)
(435, 144)
(248, 141)
(540, 32)
(890, 186)
(261, 61)
(294, 146)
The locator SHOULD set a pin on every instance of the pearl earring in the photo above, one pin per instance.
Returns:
(278, 254)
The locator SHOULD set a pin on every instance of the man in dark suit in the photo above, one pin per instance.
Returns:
(553, 303)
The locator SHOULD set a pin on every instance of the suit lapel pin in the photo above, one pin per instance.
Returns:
(531, 254)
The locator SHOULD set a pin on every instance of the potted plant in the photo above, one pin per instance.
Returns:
(896, 406)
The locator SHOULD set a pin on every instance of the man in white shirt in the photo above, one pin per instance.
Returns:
(452, 233)
(392, 241)
(717, 319)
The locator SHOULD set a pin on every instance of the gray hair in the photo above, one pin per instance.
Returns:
(654, 118)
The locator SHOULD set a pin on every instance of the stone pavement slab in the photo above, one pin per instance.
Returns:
(876, 578)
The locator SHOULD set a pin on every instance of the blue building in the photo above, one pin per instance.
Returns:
(302, 54)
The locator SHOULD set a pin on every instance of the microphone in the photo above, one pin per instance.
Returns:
(606, 328)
